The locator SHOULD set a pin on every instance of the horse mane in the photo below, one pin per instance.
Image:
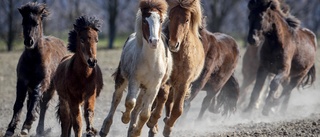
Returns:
(194, 7)
(82, 23)
(34, 8)
(160, 5)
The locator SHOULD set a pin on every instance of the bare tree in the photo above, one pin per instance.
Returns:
(113, 12)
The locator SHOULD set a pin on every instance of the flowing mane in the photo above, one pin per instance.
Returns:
(34, 8)
(81, 23)
(160, 5)
(194, 7)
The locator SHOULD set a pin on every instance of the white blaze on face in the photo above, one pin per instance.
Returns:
(154, 27)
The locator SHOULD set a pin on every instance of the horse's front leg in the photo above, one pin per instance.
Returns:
(89, 113)
(130, 102)
(180, 91)
(44, 103)
(161, 100)
(120, 86)
(262, 74)
(135, 112)
(21, 94)
(34, 99)
(76, 118)
(274, 85)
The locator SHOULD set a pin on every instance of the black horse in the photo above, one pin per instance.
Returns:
(35, 69)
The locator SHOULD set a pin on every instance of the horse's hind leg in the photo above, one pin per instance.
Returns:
(47, 96)
(120, 86)
(89, 113)
(130, 102)
(206, 102)
(20, 98)
(34, 97)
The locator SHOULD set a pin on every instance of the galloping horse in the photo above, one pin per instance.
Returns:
(250, 66)
(35, 69)
(78, 78)
(287, 51)
(222, 54)
(145, 65)
(188, 57)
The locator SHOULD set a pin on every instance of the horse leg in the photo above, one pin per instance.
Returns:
(76, 119)
(180, 91)
(198, 85)
(260, 79)
(247, 81)
(47, 96)
(64, 117)
(130, 100)
(120, 86)
(162, 97)
(274, 85)
(34, 97)
(206, 103)
(287, 92)
(135, 112)
(89, 114)
(169, 104)
(21, 94)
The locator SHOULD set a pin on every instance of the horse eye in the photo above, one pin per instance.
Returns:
(187, 20)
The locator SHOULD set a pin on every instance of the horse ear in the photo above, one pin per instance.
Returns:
(21, 11)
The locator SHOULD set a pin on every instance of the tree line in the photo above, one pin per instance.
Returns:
(227, 16)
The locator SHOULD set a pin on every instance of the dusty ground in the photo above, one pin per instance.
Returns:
(302, 119)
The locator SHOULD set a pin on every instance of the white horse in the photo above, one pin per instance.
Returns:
(145, 65)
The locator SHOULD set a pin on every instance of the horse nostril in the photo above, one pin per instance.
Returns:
(177, 45)
(31, 42)
(92, 62)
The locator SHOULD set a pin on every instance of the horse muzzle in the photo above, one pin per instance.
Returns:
(153, 42)
(92, 62)
(253, 40)
(29, 43)
(174, 46)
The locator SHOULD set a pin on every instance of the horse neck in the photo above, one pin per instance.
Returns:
(281, 29)
(80, 67)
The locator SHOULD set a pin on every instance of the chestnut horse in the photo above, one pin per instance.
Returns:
(188, 56)
(222, 54)
(287, 50)
(145, 65)
(35, 69)
(78, 79)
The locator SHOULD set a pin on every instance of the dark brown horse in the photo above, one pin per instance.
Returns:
(287, 50)
(35, 69)
(250, 67)
(188, 57)
(78, 79)
(222, 54)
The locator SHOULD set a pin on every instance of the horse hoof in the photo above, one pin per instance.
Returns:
(166, 131)
(24, 131)
(125, 119)
(9, 134)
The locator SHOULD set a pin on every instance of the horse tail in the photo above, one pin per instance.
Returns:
(228, 96)
(309, 78)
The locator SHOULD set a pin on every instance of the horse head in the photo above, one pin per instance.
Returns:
(84, 38)
(33, 14)
(153, 14)
(185, 17)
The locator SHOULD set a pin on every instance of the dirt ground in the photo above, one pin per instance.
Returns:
(302, 118)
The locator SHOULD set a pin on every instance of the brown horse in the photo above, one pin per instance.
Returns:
(287, 51)
(78, 79)
(250, 67)
(222, 54)
(35, 69)
(145, 65)
(188, 57)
